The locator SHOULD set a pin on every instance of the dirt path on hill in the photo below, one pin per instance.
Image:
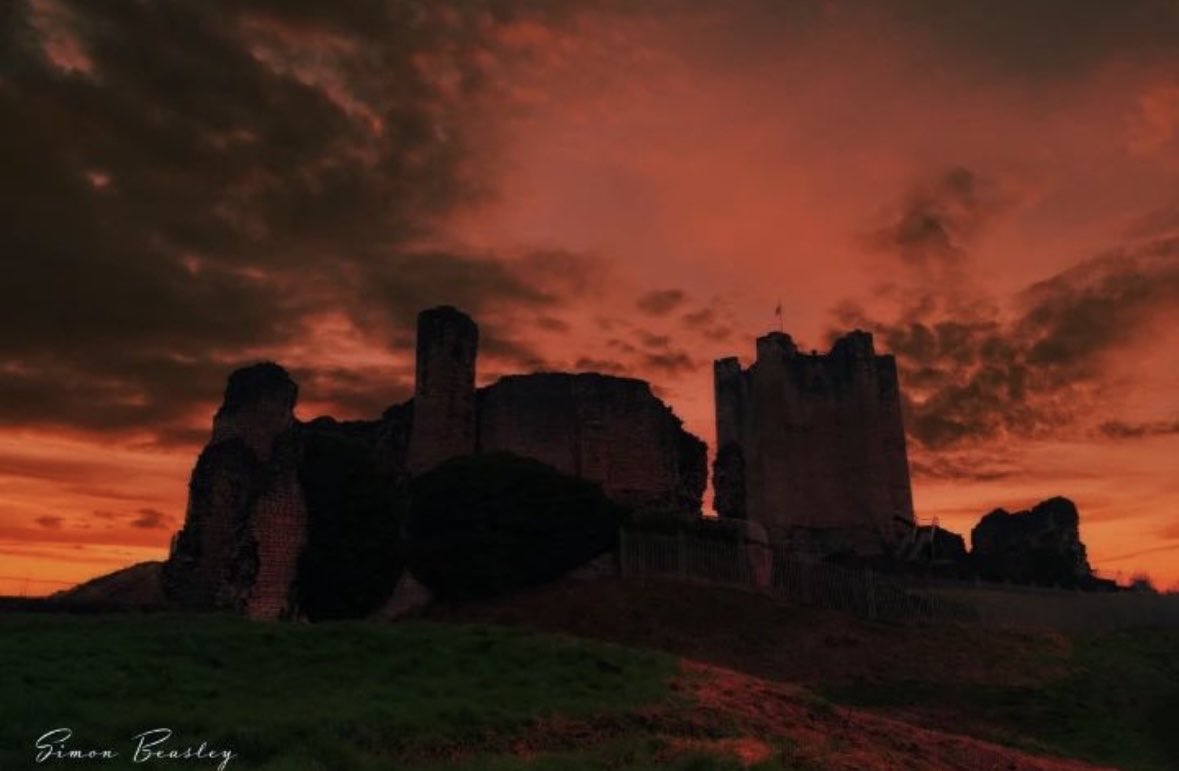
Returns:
(823, 736)
(781, 652)
(726, 713)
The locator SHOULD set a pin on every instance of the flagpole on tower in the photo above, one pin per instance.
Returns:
(778, 313)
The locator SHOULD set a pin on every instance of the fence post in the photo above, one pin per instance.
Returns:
(744, 569)
(681, 554)
(871, 593)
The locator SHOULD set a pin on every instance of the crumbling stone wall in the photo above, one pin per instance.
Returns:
(273, 503)
(812, 445)
(610, 430)
(1037, 546)
(246, 518)
(221, 495)
(277, 528)
(391, 441)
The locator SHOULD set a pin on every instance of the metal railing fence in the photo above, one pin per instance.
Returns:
(775, 571)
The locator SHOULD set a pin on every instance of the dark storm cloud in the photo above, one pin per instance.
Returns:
(621, 345)
(183, 181)
(648, 351)
(360, 392)
(607, 366)
(969, 374)
(964, 467)
(553, 324)
(707, 322)
(150, 519)
(1046, 38)
(502, 343)
(652, 340)
(662, 352)
(662, 302)
(1117, 429)
(940, 218)
(1100, 304)
(394, 289)
(1158, 223)
(1007, 40)
(609, 324)
(145, 518)
(671, 363)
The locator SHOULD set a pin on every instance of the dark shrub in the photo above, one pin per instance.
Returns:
(354, 554)
(486, 524)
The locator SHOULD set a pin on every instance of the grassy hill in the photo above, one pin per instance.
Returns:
(295, 696)
(426, 696)
(1108, 698)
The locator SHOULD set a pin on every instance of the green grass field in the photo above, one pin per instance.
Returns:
(451, 695)
(333, 696)
(1115, 701)
(1105, 697)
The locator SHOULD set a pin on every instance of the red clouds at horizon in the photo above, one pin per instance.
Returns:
(610, 188)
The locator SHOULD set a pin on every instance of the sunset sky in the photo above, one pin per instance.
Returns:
(991, 188)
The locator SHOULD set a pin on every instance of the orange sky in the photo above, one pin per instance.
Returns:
(606, 188)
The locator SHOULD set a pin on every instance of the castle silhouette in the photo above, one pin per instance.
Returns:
(810, 450)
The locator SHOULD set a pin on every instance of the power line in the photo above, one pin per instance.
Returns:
(37, 580)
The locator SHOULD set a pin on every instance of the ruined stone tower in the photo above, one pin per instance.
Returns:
(444, 419)
(247, 517)
(812, 445)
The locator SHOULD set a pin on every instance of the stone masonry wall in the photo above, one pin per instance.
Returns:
(278, 528)
(1041, 545)
(246, 516)
(221, 495)
(247, 523)
(607, 429)
(813, 442)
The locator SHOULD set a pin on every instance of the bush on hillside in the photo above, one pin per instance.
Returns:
(354, 555)
(487, 524)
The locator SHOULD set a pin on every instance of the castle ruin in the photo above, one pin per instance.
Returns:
(809, 446)
(266, 483)
(812, 446)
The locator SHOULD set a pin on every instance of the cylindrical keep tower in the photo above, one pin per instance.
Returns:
(444, 391)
